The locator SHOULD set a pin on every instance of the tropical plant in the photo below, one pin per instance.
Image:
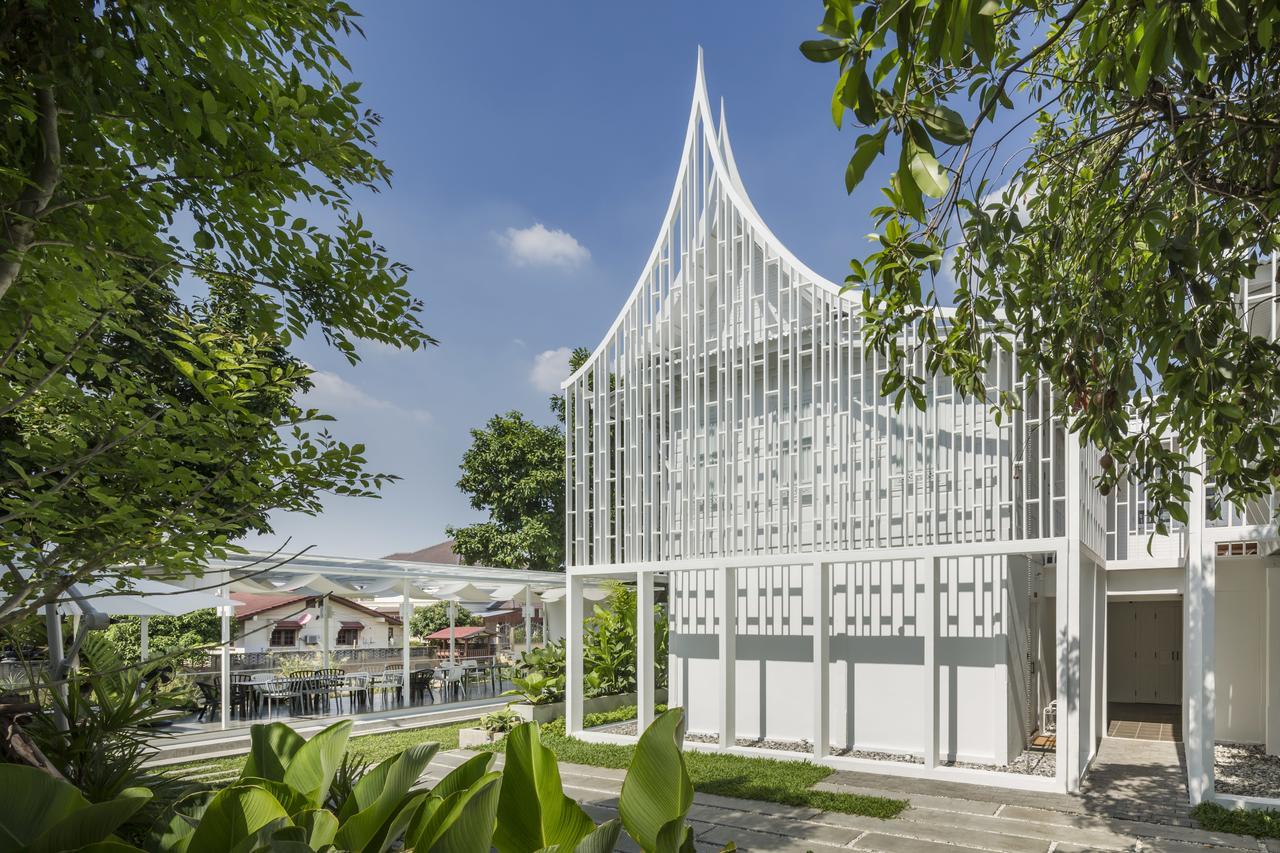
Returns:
(44, 814)
(500, 722)
(1152, 126)
(537, 688)
(291, 663)
(148, 419)
(283, 800)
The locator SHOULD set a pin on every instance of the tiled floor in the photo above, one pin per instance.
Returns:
(1137, 721)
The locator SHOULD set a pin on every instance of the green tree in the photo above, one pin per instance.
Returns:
(577, 358)
(165, 634)
(1107, 249)
(148, 146)
(434, 617)
(514, 470)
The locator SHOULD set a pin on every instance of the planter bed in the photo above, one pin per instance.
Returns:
(598, 704)
(1245, 769)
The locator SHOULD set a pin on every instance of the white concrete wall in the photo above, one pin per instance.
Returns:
(877, 650)
(1239, 653)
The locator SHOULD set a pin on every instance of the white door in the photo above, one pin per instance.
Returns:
(1145, 652)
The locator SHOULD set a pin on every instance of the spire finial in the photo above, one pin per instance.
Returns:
(700, 82)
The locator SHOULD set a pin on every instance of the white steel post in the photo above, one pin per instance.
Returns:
(1272, 661)
(821, 607)
(453, 621)
(406, 615)
(1062, 619)
(727, 599)
(528, 618)
(144, 637)
(1199, 626)
(573, 655)
(1070, 662)
(324, 628)
(929, 626)
(644, 650)
(224, 680)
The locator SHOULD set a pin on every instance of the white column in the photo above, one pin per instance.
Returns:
(224, 681)
(644, 650)
(1271, 704)
(1198, 680)
(144, 637)
(1069, 646)
(727, 605)
(453, 621)
(406, 614)
(324, 629)
(573, 655)
(1062, 620)
(528, 618)
(929, 627)
(821, 608)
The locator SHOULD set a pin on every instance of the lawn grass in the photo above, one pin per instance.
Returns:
(372, 748)
(1259, 823)
(766, 779)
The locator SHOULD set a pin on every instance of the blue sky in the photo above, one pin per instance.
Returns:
(533, 148)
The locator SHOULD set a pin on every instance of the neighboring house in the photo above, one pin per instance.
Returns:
(441, 552)
(288, 622)
(975, 594)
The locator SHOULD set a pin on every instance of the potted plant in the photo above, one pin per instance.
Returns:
(492, 727)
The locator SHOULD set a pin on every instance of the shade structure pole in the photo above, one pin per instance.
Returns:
(573, 641)
(727, 601)
(528, 618)
(821, 607)
(144, 637)
(453, 621)
(224, 681)
(57, 676)
(644, 650)
(324, 628)
(1198, 636)
(406, 616)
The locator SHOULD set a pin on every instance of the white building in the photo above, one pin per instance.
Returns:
(291, 621)
(970, 587)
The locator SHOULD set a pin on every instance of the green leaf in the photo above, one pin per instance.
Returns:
(866, 149)
(234, 814)
(657, 789)
(928, 174)
(944, 124)
(603, 839)
(375, 800)
(463, 822)
(203, 240)
(822, 50)
(311, 768)
(533, 811)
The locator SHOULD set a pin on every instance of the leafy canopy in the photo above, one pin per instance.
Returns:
(156, 163)
(514, 470)
(435, 616)
(1107, 250)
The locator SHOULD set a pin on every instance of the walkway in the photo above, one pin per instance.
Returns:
(982, 819)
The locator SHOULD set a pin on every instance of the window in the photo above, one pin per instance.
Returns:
(284, 637)
(348, 636)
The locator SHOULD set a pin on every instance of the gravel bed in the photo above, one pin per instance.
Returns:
(1031, 762)
(1245, 769)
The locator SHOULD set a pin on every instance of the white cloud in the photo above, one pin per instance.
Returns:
(549, 369)
(335, 395)
(540, 246)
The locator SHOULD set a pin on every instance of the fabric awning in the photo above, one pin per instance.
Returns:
(356, 625)
(139, 597)
(288, 623)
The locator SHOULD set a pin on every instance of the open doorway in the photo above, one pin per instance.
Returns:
(1144, 669)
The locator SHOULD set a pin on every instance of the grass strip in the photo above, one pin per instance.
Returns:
(1261, 823)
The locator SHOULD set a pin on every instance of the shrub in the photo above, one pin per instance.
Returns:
(1262, 823)
(500, 722)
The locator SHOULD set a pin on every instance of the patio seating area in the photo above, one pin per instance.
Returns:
(262, 696)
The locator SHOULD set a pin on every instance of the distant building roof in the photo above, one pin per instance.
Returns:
(441, 552)
(249, 604)
(459, 633)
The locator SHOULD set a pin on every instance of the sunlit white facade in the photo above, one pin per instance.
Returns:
(932, 585)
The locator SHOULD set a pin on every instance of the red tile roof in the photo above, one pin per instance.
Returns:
(249, 604)
(459, 633)
(441, 552)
